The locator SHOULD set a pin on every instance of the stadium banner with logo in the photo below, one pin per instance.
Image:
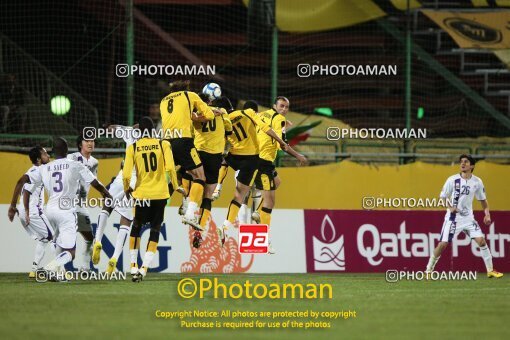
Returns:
(489, 30)
(175, 252)
(357, 241)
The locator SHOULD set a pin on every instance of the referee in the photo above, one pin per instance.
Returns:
(153, 160)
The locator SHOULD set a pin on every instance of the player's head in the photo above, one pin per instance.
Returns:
(281, 105)
(179, 85)
(205, 98)
(224, 103)
(154, 112)
(60, 147)
(251, 104)
(85, 146)
(146, 125)
(38, 155)
(467, 163)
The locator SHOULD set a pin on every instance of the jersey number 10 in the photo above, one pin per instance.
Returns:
(150, 160)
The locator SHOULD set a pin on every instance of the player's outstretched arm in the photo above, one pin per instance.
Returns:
(17, 190)
(26, 200)
(487, 218)
(101, 188)
(302, 159)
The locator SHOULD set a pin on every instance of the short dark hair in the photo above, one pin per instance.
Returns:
(79, 140)
(179, 85)
(60, 147)
(281, 98)
(146, 125)
(469, 158)
(205, 97)
(251, 104)
(35, 153)
(224, 103)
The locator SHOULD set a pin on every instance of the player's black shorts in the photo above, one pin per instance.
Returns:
(152, 213)
(247, 166)
(212, 164)
(266, 175)
(185, 153)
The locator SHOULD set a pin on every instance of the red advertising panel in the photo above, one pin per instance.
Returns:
(359, 241)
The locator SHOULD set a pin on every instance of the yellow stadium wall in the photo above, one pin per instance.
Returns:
(335, 186)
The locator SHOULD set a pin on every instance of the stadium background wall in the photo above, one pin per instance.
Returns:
(319, 224)
(333, 186)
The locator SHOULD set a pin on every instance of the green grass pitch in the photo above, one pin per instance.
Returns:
(410, 310)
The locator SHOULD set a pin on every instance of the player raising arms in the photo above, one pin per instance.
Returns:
(460, 189)
(177, 109)
(84, 156)
(39, 227)
(61, 179)
(267, 177)
(243, 156)
(152, 158)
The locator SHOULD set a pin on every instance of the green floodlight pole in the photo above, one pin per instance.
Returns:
(130, 81)
(274, 57)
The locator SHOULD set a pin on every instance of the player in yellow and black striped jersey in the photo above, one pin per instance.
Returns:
(243, 156)
(210, 143)
(153, 160)
(267, 178)
(177, 110)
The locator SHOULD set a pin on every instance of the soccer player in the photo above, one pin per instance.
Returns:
(153, 160)
(243, 156)
(459, 190)
(84, 156)
(210, 143)
(39, 227)
(61, 179)
(122, 207)
(267, 178)
(177, 109)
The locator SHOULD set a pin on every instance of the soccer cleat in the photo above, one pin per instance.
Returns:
(137, 277)
(221, 231)
(111, 265)
(192, 222)
(216, 194)
(31, 275)
(134, 269)
(255, 216)
(96, 252)
(494, 274)
(181, 210)
(197, 239)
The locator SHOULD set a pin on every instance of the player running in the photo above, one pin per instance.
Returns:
(153, 161)
(243, 156)
(459, 190)
(39, 227)
(122, 207)
(84, 156)
(176, 111)
(62, 179)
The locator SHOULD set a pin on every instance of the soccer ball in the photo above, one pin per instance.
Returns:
(213, 90)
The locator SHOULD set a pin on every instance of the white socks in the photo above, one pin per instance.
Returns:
(147, 260)
(487, 257)
(61, 259)
(87, 254)
(244, 214)
(101, 224)
(192, 209)
(122, 236)
(432, 263)
(40, 247)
